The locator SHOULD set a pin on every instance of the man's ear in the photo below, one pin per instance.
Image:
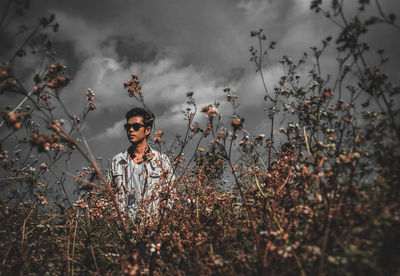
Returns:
(147, 130)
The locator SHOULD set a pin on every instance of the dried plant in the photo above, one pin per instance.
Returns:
(317, 195)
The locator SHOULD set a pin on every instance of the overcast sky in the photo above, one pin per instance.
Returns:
(179, 46)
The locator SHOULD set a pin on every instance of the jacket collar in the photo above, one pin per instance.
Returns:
(147, 156)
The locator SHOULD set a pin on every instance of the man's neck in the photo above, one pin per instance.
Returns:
(137, 151)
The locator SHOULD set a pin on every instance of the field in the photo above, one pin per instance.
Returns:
(319, 195)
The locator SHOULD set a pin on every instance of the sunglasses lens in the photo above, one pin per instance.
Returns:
(135, 126)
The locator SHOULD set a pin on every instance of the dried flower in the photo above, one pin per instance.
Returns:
(159, 133)
(237, 124)
(205, 109)
(134, 89)
(44, 166)
(158, 137)
(212, 112)
(90, 95)
(91, 106)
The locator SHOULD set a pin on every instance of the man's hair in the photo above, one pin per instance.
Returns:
(148, 116)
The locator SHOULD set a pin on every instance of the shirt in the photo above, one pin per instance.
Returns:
(139, 185)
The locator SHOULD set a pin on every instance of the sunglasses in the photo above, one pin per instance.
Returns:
(135, 126)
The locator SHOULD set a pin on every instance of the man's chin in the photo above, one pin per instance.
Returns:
(135, 140)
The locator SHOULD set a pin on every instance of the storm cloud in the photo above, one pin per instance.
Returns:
(179, 46)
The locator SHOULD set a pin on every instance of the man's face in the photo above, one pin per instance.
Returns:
(137, 136)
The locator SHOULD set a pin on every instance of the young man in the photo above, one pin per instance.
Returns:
(140, 173)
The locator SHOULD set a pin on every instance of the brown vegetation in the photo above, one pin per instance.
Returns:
(322, 200)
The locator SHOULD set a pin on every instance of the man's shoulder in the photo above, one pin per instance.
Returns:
(159, 158)
(158, 154)
(120, 156)
(161, 161)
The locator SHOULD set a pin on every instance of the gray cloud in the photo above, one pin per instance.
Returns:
(177, 46)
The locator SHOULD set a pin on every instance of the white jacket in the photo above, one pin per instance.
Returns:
(139, 185)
